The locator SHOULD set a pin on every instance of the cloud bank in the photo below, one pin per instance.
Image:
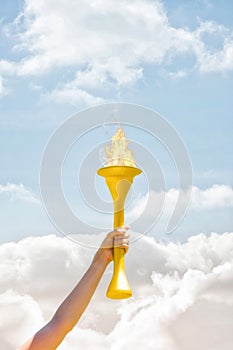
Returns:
(182, 294)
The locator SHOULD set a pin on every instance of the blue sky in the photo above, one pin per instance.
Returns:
(57, 58)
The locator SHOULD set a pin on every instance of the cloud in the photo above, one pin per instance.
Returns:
(74, 95)
(18, 192)
(220, 61)
(215, 197)
(181, 292)
(209, 210)
(108, 44)
(210, 58)
(17, 309)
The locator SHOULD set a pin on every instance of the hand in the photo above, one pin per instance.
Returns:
(117, 238)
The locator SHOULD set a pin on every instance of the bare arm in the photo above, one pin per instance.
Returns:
(72, 308)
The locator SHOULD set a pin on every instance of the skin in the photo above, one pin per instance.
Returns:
(69, 312)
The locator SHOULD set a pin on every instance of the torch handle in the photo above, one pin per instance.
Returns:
(118, 255)
(119, 217)
(119, 287)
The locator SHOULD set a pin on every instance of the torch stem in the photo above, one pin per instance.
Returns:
(119, 221)
(119, 217)
(119, 261)
(119, 287)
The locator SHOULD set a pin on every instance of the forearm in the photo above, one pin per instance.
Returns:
(76, 302)
(70, 311)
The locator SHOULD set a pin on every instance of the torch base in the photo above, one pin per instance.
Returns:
(119, 294)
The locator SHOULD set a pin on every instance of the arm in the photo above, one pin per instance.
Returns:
(72, 308)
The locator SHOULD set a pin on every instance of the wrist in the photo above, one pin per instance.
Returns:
(102, 257)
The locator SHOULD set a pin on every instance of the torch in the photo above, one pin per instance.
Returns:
(119, 173)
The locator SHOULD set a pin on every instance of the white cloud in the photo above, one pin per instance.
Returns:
(215, 197)
(74, 95)
(27, 313)
(18, 192)
(181, 293)
(210, 59)
(220, 61)
(107, 43)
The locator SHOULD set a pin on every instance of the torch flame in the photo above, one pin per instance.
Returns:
(117, 153)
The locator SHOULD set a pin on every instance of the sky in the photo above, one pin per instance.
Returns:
(174, 59)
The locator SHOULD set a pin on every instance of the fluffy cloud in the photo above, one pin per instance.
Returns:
(17, 309)
(182, 294)
(107, 43)
(18, 192)
(74, 95)
(215, 197)
(210, 59)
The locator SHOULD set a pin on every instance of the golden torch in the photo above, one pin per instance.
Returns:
(119, 172)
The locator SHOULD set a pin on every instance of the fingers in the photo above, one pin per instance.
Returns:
(118, 231)
(121, 238)
(117, 238)
(121, 242)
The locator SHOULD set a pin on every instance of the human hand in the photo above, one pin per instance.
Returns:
(117, 238)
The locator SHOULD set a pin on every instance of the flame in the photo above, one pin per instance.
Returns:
(117, 153)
